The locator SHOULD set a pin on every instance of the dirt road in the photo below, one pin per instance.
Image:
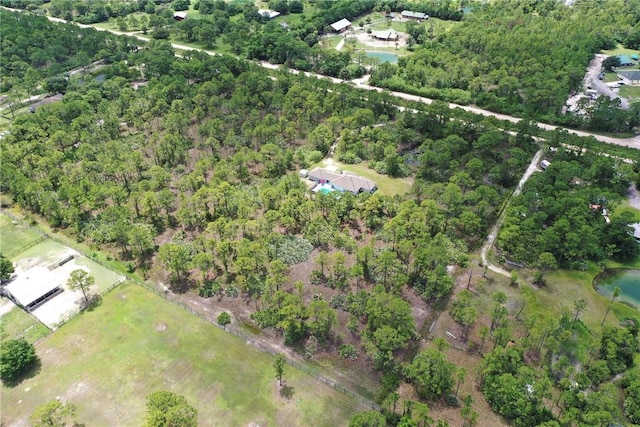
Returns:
(491, 238)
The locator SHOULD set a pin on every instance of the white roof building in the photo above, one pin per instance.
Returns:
(268, 13)
(341, 25)
(180, 16)
(30, 294)
(636, 231)
(385, 35)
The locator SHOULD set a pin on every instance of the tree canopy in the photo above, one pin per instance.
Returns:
(167, 409)
(16, 357)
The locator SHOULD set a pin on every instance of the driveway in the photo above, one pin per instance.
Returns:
(595, 67)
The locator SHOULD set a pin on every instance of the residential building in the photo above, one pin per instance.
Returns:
(341, 26)
(408, 14)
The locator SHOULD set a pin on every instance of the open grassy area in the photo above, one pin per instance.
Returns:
(621, 50)
(632, 93)
(14, 236)
(386, 184)
(107, 360)
(625, 206)
(16, 323)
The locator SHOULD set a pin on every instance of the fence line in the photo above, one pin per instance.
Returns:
(169, 298)
(27, 246)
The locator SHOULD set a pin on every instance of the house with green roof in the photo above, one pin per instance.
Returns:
(625, 61)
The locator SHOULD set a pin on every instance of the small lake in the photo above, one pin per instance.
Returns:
(383, 56)
(627, 280)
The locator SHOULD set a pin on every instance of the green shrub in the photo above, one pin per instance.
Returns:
(16, 356)
(348, 351)
(292, 250)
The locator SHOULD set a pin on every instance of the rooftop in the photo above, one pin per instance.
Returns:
(27, 292)
(353, 183)
(268, 13)
(624, 59)
(412, 14)
(631, 75)
(385, 34)
(324, 175)
(341, 24)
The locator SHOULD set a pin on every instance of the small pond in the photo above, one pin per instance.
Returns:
(627, 280)
(383, 56)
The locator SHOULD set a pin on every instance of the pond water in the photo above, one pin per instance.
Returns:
(383, 56)
(627, 280)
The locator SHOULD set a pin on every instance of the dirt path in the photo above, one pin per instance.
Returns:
(634, 196)
(491, 238)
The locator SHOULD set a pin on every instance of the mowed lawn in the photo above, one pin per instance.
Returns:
(14, 236)
(108, 360)
(386, 184)
(17, 323)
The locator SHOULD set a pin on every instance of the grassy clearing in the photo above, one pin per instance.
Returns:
(621, 50)
(102, 256)
(624, 207)
(14, 236)
(107, 361)
(545, 303)
(632, 93)
(566, 286)
(19, 324)
(386, 184)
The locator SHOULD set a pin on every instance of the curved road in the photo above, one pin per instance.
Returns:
(626, 142)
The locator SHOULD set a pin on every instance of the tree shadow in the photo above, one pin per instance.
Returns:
(286, 391)
(31, 371)
(181, 286)
(95, 301)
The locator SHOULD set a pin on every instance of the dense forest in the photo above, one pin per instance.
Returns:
(561, 213)
(189, 166)
(36, 50)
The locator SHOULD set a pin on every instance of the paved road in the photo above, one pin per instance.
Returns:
(592, 79)
(628, 142)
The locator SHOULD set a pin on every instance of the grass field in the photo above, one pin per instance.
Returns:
(14, 236)
(107, 360)
(386, 184)
(621, 50)
(625, 206)
(632, 93)
(18, 324)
